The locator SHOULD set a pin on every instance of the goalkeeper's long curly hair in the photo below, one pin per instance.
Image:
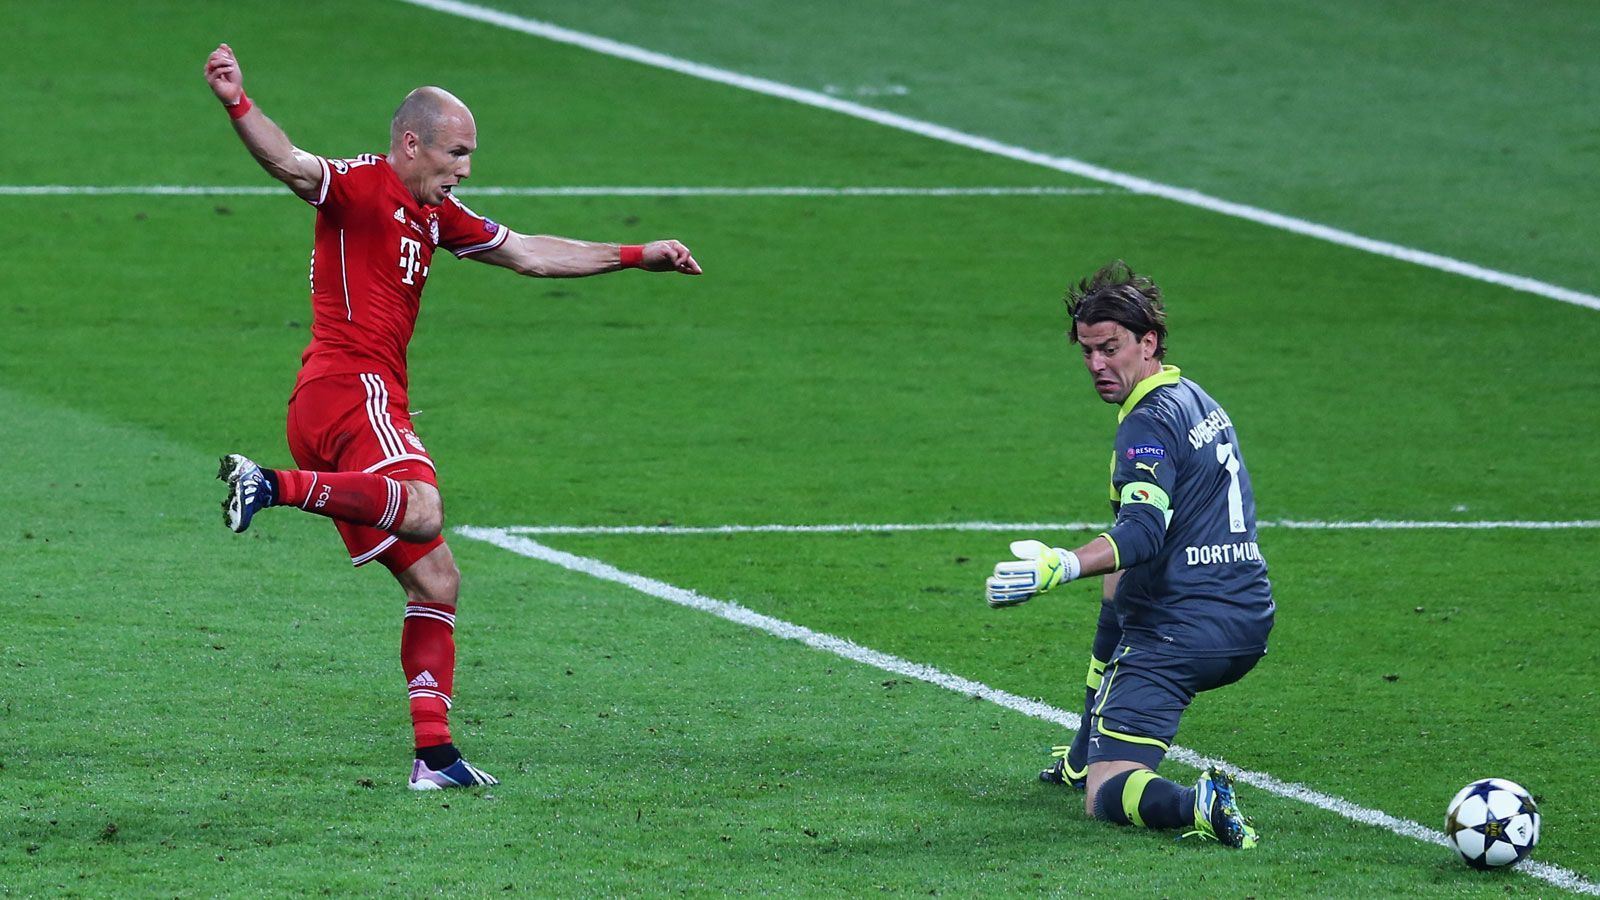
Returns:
(1118, 294)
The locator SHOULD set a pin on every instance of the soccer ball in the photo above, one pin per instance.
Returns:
(1492, 822)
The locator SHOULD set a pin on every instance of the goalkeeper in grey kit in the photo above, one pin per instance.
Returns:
(1187, 606)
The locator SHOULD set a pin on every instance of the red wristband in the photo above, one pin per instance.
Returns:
(237, 110)
(632, 255)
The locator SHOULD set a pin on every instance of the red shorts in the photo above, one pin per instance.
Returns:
(352, 423)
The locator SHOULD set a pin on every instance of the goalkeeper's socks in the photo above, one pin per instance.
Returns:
(361, 498)
(441, 756)
(1141, 797)
(428, 656)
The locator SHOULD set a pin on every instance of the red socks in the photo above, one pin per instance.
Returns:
(428, 655)
(427, 640)
(361, 498)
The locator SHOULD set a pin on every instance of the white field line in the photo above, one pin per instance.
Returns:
(186, 190)
(1036, 709)
(1025, 527)
(982, 144)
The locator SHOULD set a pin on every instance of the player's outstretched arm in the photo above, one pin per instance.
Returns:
(543, 256)
(261, 136)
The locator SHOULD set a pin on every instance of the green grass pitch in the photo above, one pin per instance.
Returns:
(193, 713)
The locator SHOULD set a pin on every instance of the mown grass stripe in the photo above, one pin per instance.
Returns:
(982, 144)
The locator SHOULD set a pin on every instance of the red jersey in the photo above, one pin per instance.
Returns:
(374, 244)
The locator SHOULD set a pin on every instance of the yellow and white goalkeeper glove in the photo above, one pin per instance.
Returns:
(1036, 569)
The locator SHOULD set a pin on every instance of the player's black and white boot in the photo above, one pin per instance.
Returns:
(249, 491)
(458, 774)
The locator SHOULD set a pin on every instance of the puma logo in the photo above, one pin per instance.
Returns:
(1151, 468)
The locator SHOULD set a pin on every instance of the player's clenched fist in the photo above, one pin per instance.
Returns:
(222, 73)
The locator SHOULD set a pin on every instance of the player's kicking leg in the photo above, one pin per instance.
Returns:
(398, 523)
(362, 465)
(357, 498)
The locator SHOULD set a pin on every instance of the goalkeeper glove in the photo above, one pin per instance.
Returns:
(1037, 569)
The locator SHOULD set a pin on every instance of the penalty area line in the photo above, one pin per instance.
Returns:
(733, 612)
(1020, 527)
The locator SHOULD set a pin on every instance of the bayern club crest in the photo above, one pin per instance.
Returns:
(413, 440)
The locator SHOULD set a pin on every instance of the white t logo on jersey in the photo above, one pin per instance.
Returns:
(409, 248)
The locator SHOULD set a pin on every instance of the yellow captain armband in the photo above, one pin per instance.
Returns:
(1146, 493)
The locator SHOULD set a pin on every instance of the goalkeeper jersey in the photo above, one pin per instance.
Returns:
(1194, 582)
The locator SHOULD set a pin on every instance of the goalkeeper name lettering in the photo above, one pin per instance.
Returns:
(1207, 429)
(1214, 554)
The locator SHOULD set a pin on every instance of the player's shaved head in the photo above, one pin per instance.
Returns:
(431, 142)
(424, 113)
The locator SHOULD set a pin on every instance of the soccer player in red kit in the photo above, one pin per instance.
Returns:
(358, 460)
